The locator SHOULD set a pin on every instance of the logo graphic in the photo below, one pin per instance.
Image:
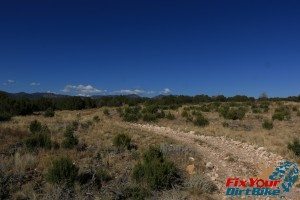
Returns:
(278, 183)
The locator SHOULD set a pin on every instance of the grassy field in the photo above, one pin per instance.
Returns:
(249, 129)
(106, 165)
(99, 153)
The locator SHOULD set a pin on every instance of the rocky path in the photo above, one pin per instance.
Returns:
(224, 157)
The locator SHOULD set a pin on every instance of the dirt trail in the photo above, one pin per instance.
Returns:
(225, 157)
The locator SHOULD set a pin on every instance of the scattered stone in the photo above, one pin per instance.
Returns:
(261, 149)
(191, 159)
(209, 166)
(244, 169)
(215, 177)
(190, 169)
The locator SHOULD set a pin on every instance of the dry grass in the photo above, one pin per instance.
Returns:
(24, 162)
(248, 130)
(100, 152)
(200, 184)
(98, 135)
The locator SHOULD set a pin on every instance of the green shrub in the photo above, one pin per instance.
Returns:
(236, 113)
(149, 117)
(295, 108)
(38, 140)
(70, 140)
(170, 116)
(278, 116)
(282, 113)
(205, 108)
(223, 110)
(49, 113)
(232, 113)
(70, 128)
(131, 114)
(96, 118)
(122, 141)
(153, 153)
(233, 104)
(200, 184)
(187, 115)
(92, 177)
(200, 120)
(256, 109)
(150, 109)
(267, 124)
(119, 111)
(4, 116)
(86, 125)
(135, 193)
(62, 171)
(103, 175)
(152, 113)
(295, 147)
(88, 178)
(35, 126)
(184, 114)
(215, 106)
(156, 171)
(264, 106)
(106, 112)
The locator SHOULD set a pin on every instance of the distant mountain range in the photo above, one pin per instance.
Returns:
(38, 95)
(35, 95)
(132, 96)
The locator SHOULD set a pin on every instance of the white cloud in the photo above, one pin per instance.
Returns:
(151, 92)
(81, 90)
(9, 82)
(135, 91)
(166, 91)
(88, 90)
(34, 84)
(130, 91)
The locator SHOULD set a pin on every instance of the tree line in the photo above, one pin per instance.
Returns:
(24, 106)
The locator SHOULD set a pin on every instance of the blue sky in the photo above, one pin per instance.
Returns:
(150, 47)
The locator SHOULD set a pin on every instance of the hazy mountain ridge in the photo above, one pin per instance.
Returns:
(37, 95)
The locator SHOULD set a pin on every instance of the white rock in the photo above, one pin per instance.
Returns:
(209, 166)
(244, 169)
(261, 149)
(192, 159)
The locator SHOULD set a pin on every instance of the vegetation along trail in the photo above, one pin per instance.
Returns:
(224, 157)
